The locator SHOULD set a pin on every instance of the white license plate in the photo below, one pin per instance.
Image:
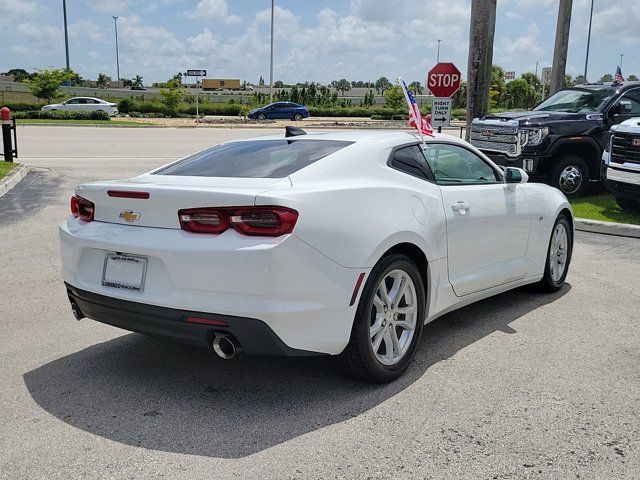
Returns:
(124, 271)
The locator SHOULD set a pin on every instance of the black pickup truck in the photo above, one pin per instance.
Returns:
(560, 141)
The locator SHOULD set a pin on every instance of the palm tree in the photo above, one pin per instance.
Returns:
(343, 85)
(137, 82)
(416, 87)
(103, 80)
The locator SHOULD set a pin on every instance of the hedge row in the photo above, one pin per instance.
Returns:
(127, 105)
(61, 115)
(22, 107)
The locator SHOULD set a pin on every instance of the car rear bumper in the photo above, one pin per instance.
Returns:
(300, 294)
(255, 336)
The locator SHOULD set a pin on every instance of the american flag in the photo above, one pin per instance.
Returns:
(415, 118)
(618, 78)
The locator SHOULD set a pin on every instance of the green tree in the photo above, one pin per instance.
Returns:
(498, 87)
(568, 81)
(278, 84)
(46, 84)
(261, 81)
(416, 88)
(103, 80)
(608, 78)
(343, 85)
(136, 82)
(382, 84)
(632, 78)
(394, 97)
(535, 93)
(171, 96)
(19, 74)
(517, 92)
(579, 80)
(459, 99)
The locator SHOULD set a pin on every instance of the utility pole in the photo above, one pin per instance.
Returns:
(481, 32)
(273, 7)
(115, 23)
(438, 57)
(561, 46)
(586, 59)
(66, 34)
(621, 55)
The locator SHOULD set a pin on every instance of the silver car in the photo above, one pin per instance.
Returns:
(78, 104)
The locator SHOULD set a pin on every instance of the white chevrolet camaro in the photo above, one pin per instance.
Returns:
(341, 243)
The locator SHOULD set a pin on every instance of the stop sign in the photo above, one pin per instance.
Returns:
(443, 80)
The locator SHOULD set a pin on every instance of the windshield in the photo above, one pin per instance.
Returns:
(255, 158)
(576, 101)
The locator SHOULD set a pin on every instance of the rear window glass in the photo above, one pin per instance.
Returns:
(254, 158)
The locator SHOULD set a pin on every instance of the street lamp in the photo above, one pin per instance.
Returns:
(621, 55)
(66, 35)
(273, 6)
(115, 23)
(586, 60)
(438, 57)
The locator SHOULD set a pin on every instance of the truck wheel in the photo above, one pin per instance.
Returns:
(571, 176)
(628, 204)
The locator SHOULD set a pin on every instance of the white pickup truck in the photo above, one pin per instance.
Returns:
(621, 164)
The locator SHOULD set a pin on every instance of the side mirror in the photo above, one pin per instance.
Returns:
(625, 107)
(513, 175)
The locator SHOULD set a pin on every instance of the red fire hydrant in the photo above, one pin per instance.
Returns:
(8, 151)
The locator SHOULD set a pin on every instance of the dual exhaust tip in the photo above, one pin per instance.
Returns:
(226, 346)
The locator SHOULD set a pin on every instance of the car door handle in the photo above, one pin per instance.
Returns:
(462, 207)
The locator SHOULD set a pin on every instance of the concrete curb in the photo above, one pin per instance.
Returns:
(607, 228)
(11, 180)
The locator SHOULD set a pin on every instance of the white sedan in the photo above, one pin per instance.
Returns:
(341, 243)
(84, 104)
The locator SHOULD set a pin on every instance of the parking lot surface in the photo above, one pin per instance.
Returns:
(522, 385)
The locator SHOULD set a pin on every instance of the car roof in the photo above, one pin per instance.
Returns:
(88, 98)
(606, 86)
(378, 137)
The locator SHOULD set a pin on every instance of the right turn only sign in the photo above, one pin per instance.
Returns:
(441, 112)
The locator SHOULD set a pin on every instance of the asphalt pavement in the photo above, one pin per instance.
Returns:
(522, 385)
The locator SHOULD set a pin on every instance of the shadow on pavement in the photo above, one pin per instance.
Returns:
(165, 396)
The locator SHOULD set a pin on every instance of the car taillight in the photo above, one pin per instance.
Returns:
(262, 221)
(82, 208)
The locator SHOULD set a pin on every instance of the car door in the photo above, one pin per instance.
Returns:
(70, 105)
(488, 222)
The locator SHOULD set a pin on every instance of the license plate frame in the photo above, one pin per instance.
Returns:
(132, 265)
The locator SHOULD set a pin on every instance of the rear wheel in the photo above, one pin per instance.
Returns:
(628, 204)
(297, 117)
(261, 116)
(558, 255)
(571, 176)
(388, 322)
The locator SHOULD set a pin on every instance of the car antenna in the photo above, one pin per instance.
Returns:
(293, 132)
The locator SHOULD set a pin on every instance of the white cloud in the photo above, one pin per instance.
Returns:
(87, 29)
(112, 7)
(216, 10)
(18, 7)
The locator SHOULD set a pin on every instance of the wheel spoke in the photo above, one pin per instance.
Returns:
(378, 303)
(395, 342)
(377, 341)
(388, 345)
(384, 294)
(398, 288)
(406, 309)
(376, 327)
(405, 325)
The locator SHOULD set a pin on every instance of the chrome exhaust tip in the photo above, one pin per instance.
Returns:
(226, 346)
(75, 309)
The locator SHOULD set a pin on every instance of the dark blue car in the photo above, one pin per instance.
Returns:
(280, 110)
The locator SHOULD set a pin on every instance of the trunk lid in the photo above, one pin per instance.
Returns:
(168, 194)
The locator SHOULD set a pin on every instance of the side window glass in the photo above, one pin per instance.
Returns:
(410, 160)
(72, 101)
(452, 164)
(82, 101)
(631, 97)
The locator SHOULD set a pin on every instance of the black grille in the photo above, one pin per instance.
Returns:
(625, 148)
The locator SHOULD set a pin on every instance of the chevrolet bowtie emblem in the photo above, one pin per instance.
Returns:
(129, 216)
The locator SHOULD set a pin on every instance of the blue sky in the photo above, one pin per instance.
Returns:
(315, 40)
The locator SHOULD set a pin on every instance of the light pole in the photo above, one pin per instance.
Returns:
(621, 55)
(273, 6)
(438, 56)
(66, 35)
(586, 60)
(115, 23)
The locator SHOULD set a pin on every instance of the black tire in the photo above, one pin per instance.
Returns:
(563, 176)
(628, 204)
(358, 358)
(297, 117)
(548, 283)
(261, 116)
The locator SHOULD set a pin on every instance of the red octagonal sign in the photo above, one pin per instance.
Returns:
(443, 80)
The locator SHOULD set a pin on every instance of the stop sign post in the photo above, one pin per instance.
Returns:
(443, 80)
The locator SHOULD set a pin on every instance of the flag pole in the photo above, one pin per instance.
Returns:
(417, 121)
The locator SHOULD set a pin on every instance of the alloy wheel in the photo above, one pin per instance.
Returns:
(558, 252)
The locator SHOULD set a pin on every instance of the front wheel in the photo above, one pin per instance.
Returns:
(558, 255)
(261, 116)
(297, 117)
(388, 323)
(570, 176)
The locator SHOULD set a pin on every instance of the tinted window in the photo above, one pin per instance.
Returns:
(410, 160)
(576, 100)
(451, 164)
(254, 158)
(633, 97)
